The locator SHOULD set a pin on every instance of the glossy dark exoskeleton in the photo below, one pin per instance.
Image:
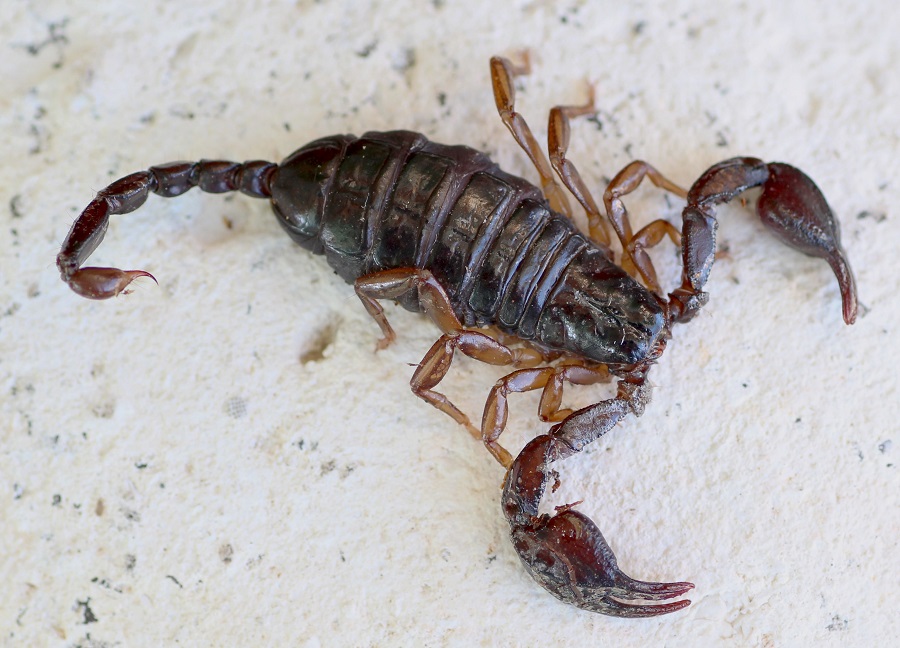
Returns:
(397, 200)
(499, 266)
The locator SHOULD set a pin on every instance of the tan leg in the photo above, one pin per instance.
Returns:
(393, 284)
(635, 260)
(650, 235)
(479, 345)
(436, 363)
(531, 354)
(502, 74)
(558, 135)
(626, 181)
(551, 380)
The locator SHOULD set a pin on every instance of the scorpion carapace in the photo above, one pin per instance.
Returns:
(500, 267)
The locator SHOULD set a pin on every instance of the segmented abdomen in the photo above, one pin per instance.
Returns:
(392, 200)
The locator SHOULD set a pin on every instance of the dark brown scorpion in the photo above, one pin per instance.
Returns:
(499, 266)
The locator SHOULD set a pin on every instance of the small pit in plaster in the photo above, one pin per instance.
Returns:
(226, 553)
(104, 409)
(315, 346)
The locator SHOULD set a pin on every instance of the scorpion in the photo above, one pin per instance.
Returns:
(499, 266)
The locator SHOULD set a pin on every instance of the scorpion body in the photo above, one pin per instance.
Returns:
(396, 200)
(499, 266)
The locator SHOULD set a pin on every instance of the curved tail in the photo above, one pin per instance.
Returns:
(127, 194)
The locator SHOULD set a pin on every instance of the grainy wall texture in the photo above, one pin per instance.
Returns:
(222, 460)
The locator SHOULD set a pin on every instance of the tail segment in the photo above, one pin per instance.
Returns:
(127, 194)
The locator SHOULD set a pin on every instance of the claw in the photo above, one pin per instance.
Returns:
(791, 206)
(103, 283)
(566, 553)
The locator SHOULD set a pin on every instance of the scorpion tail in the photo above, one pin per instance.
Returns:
(791, 206)
(566, 553)
(127, 194)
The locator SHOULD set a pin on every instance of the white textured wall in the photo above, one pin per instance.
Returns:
(171, 472)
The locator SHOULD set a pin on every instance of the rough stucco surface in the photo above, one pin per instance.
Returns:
(223, 460)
